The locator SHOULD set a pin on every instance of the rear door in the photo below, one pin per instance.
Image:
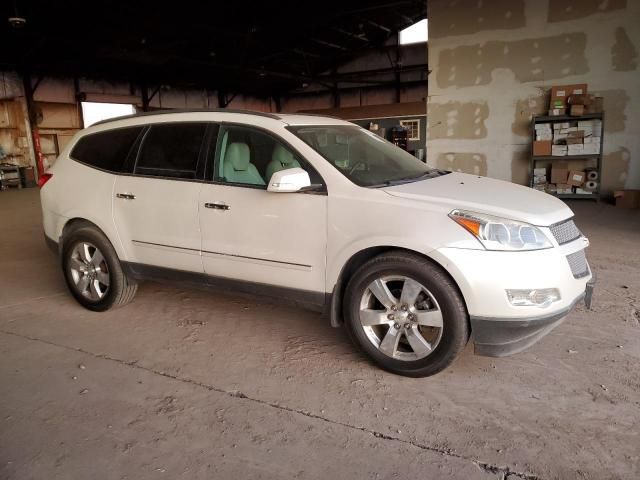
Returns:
(156, 207)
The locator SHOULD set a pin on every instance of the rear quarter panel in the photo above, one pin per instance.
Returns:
(79, 191)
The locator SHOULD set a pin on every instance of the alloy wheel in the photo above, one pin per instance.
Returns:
(401, 318)
(89, 271)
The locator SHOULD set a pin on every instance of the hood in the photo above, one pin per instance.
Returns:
(486, 195)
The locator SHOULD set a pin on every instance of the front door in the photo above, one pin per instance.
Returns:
(253, 235)
(156, 208)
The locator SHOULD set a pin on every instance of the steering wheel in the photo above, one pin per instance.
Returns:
(357, 164)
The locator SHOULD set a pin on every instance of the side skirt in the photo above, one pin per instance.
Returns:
(303, 298)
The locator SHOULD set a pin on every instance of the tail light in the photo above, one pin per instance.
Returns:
(44, 178)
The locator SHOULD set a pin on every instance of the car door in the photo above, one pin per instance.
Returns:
(156, 208)
(251, 235)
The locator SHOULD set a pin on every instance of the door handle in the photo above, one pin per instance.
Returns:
(126, 196)
(217, 205)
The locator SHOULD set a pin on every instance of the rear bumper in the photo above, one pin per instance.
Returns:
(500, 337)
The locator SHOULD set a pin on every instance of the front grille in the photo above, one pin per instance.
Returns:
(565, 232)
(578, 263)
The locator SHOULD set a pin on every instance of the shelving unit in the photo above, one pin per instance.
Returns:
(598, 156)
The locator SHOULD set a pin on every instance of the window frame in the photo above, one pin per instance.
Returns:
(412, 120)
(127, 160)
(199, 176)
(210, 176)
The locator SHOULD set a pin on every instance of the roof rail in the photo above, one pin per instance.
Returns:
(188, 110)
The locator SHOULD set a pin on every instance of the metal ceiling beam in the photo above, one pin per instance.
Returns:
(361, 37)
(377, 25)
(329, 44)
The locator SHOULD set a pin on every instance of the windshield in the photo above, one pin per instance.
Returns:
(362, 156)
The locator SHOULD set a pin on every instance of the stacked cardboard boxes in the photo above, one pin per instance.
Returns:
(582, 137)
(573, 138)
(560, 94)
(574, 100)
(565, 180)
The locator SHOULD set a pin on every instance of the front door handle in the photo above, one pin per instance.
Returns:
(126, 196)
(217, 205)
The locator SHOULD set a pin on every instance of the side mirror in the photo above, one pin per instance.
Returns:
(289, 180)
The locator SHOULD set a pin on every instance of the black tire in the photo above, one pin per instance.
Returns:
(455, 331)
(120, 290)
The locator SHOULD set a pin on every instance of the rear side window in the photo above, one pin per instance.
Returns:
(171, 150)
(106, 150)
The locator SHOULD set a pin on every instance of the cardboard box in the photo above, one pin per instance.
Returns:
(575, 149)
(576, 178)
(591, 149)
(597, 105)
(563, 92)
(542, 136)
(559, 150)
(556, 112)
(583, 99)
(538, 180)
(563, 188)
(576, 110)
(575, 134)
(559, 172)
(559, 136)
(627, 198)
(574, 141)
(540, 171)
(541, 147)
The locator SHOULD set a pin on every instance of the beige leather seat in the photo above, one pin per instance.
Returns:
(238, 167)
(281, 159)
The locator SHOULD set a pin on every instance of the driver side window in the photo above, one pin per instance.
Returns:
(249, 157)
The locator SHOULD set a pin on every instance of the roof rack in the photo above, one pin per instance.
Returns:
(188, 110)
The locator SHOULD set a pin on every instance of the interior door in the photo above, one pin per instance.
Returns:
(253, 235)
(156, 208)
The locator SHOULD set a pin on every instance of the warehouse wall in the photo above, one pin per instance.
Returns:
(493, 63)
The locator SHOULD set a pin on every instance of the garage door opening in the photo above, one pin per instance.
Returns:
(416, 33)
(93, 112)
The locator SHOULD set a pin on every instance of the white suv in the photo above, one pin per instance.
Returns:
(323, 213)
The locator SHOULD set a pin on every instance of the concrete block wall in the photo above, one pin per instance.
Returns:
(493, 63)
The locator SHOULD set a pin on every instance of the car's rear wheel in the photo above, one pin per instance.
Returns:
(407, 314)
(93, 271)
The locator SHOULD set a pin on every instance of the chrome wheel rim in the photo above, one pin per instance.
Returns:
(401, 318)
(89, 271)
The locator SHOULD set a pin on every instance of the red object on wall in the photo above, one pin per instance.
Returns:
(39, 156)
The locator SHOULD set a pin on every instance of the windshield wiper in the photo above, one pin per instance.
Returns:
(401, 181)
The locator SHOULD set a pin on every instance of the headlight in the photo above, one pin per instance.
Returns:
(497, 233)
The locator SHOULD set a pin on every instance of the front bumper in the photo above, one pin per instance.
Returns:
(498, 327)
(500, 337)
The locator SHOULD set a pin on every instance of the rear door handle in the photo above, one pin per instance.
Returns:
(126, 196)
(217, 205)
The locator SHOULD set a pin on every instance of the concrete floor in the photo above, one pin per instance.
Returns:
(190, 384)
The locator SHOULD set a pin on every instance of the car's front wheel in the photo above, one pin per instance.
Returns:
(407, 314)
(93, 271)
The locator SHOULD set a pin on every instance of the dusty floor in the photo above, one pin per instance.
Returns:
(190, 384)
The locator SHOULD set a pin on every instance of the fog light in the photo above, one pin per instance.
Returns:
(541, 297)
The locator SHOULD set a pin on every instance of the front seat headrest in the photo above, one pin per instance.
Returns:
(238, 155)
(282, 155)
